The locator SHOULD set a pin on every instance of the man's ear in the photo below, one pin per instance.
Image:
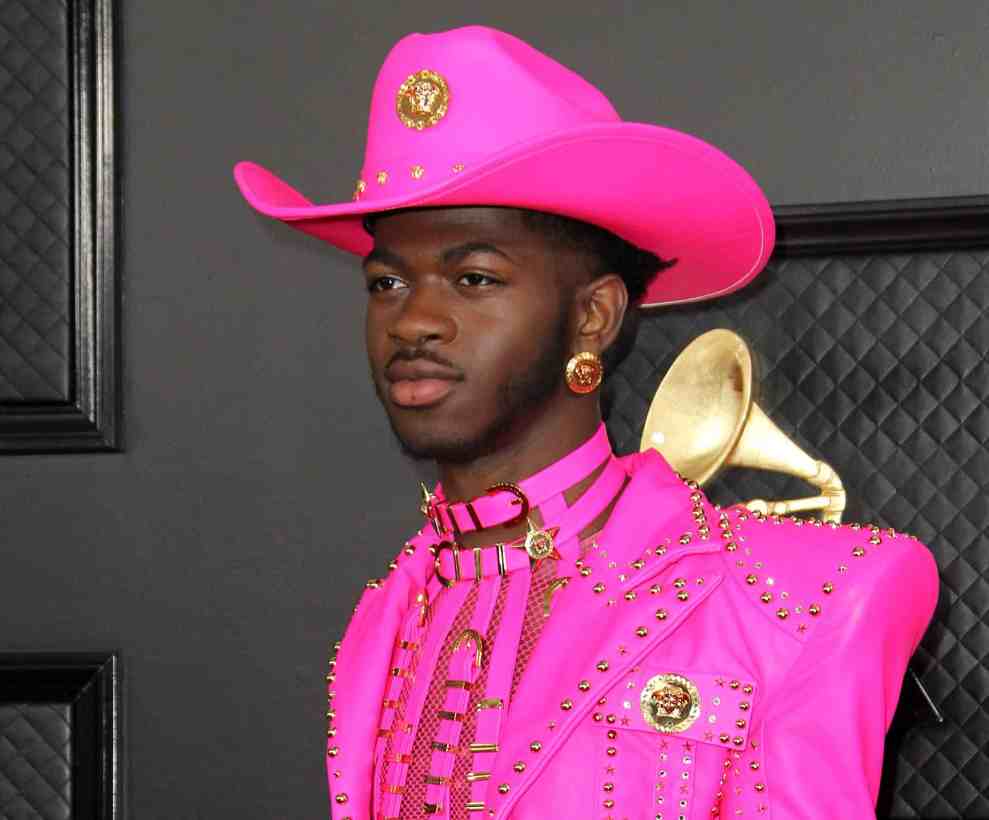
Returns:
(600, 306)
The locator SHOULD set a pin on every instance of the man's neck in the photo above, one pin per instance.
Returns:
(525, 455)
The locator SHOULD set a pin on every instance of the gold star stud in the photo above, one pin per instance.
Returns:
(428, 508)
(539, 543)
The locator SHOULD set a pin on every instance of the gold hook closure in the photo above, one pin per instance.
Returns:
(520, 499)
(557, 583)
(471, 635)
(447, 582)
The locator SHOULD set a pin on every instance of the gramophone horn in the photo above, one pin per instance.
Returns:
(703, 418)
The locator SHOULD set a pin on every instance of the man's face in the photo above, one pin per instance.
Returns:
(468, 319)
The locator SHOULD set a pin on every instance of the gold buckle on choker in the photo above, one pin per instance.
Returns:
(539, 544)
(520, 498)
(455, 551)
(431, 507)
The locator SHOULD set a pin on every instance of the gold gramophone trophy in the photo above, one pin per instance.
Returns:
(704, 418)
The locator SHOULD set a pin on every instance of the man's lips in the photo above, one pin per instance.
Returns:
(419, 383)
(419, 392)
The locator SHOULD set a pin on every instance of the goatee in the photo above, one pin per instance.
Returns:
(523, 395)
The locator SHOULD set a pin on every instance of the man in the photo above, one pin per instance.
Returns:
(571, 634)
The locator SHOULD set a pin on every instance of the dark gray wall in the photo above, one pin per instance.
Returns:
(222, 551)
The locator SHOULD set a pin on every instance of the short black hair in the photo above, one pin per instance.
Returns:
(611, 253)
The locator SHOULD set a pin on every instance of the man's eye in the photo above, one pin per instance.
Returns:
(476, 280)
(383, 283)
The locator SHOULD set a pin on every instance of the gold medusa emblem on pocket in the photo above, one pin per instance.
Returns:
(670, 703)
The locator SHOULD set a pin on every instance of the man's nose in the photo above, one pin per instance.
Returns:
(425, 316)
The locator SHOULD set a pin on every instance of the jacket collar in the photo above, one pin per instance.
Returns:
(622, 600)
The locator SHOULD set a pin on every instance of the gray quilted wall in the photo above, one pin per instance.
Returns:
(235, 424)
(35, 203)
(35, 761)
(879, 364)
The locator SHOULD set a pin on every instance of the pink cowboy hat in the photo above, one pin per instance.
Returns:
(474, 116)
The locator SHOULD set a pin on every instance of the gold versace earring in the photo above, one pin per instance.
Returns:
(584, 372)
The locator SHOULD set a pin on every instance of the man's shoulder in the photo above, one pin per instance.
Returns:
(800, 573)
(805, 574)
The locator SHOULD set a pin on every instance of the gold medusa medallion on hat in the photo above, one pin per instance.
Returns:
(423, 99)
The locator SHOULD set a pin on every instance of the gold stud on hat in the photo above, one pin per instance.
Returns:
(422, 100)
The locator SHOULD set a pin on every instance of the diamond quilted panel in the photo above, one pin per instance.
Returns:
(880, 365)
(35, 197)
(35, 761)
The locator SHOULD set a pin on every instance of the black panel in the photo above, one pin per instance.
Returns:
(58, 299)
(35, 203)
(59, 737)
(36, 761)
(877, 362)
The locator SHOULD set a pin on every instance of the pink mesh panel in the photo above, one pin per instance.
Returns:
(425, 732)
(532, 625)
(459, 787)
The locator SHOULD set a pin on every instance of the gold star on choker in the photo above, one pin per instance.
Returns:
(539, 543)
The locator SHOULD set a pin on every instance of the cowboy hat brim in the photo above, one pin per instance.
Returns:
(660, 189)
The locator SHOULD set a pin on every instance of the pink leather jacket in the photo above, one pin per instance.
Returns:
(791, 639)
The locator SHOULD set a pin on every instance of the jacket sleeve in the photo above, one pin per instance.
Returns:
(817, 750)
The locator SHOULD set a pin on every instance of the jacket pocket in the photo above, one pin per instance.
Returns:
(664, 740)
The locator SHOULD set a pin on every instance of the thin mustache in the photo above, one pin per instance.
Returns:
(415, 354)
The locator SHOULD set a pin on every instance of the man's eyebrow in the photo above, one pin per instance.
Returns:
(383, 256)
(459, 252)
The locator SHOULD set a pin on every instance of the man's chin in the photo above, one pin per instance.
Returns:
(443, 450)
(440, 445)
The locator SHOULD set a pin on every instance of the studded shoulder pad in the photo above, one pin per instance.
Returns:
(798, 571)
